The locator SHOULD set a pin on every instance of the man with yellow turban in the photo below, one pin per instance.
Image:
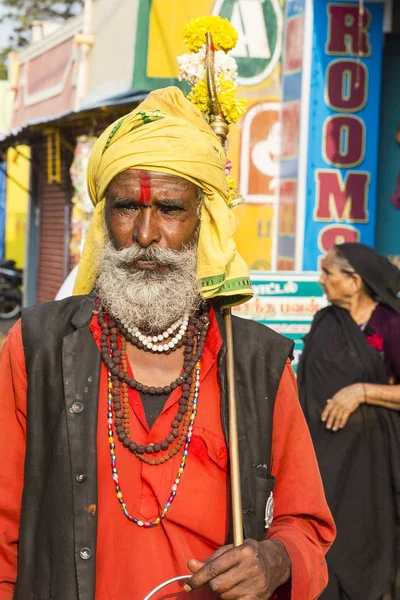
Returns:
(114, 475)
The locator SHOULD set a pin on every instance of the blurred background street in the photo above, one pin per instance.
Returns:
(316, 156)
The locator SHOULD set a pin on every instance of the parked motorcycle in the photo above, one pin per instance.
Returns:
(10, 290)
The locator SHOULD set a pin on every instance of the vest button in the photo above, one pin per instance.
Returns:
(77, 407)
(80, 477)
(85, 553)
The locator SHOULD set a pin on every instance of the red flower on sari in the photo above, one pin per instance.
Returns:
(376, 341)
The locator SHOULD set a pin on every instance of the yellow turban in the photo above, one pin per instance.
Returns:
(166, 133)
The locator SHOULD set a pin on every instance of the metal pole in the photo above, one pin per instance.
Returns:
(234, 453)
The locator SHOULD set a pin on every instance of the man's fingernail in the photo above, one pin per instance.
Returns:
(187, 587)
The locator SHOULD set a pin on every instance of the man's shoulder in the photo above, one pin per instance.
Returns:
(52, 306)
(57, 312)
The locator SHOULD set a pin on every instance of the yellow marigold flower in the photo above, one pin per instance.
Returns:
(230, 181)
(231, 107)
(200, 98)
(223, 33)
(232, 189)
(236, 111)
(234, 197)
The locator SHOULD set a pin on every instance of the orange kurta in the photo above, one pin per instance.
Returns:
(132, 560)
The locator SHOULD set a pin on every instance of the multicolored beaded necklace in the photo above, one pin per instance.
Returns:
(113, 348)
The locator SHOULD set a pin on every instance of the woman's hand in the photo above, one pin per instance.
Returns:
(251, 571)
(339, 408)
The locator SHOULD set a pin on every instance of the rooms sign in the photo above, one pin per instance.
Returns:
(344, 122)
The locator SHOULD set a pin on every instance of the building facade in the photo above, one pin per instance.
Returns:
(316, 154)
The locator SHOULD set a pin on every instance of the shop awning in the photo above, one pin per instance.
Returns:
(106, 109)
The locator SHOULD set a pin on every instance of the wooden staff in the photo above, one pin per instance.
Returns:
(234, 453)
(220, 128)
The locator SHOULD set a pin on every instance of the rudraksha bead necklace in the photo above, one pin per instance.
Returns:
(182, 464)
(111, 353)
(109, 337)
(122, 425)
(113, 347)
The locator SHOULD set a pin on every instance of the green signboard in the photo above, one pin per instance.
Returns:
(259, 24)
(286, 302)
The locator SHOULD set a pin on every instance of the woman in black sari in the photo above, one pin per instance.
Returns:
(349, 377)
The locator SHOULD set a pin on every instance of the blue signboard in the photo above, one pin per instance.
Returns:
(344, 124)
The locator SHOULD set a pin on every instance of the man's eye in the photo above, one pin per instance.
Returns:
(170, 209)
(127, 207)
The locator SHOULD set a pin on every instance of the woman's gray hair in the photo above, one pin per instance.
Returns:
(343, 264)
(341, 261)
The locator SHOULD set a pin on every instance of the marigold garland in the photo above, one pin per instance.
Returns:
(223, 33)
(232, 108)
(200, 98)
(235, 197)
(232, 189)
(192, 68)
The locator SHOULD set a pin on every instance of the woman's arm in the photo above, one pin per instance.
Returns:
(382, 395)
(346, 401)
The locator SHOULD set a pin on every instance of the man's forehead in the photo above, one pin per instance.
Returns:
(138, 177)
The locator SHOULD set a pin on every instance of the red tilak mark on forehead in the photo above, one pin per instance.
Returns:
(145, 188)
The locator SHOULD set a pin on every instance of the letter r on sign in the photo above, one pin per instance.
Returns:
(344, 35)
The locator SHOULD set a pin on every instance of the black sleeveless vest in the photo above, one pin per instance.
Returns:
(58, 529)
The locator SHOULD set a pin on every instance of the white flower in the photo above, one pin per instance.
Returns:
(226, 65)
(192, 66)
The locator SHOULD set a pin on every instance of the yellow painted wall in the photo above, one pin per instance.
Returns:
(18, 169)
(167, 21)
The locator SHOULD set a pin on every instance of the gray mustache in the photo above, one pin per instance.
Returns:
(163, 257)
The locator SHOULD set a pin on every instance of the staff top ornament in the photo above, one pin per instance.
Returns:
(212, 73)
(192, 66)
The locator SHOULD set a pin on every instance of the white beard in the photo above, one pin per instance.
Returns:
(150, 299)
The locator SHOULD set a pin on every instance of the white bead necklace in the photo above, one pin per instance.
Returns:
(153, 342)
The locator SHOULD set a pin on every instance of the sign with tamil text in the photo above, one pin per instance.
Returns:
(286, 302)
(344, 121)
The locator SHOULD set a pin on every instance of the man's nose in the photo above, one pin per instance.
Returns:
(321, 280)
(146, 230)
